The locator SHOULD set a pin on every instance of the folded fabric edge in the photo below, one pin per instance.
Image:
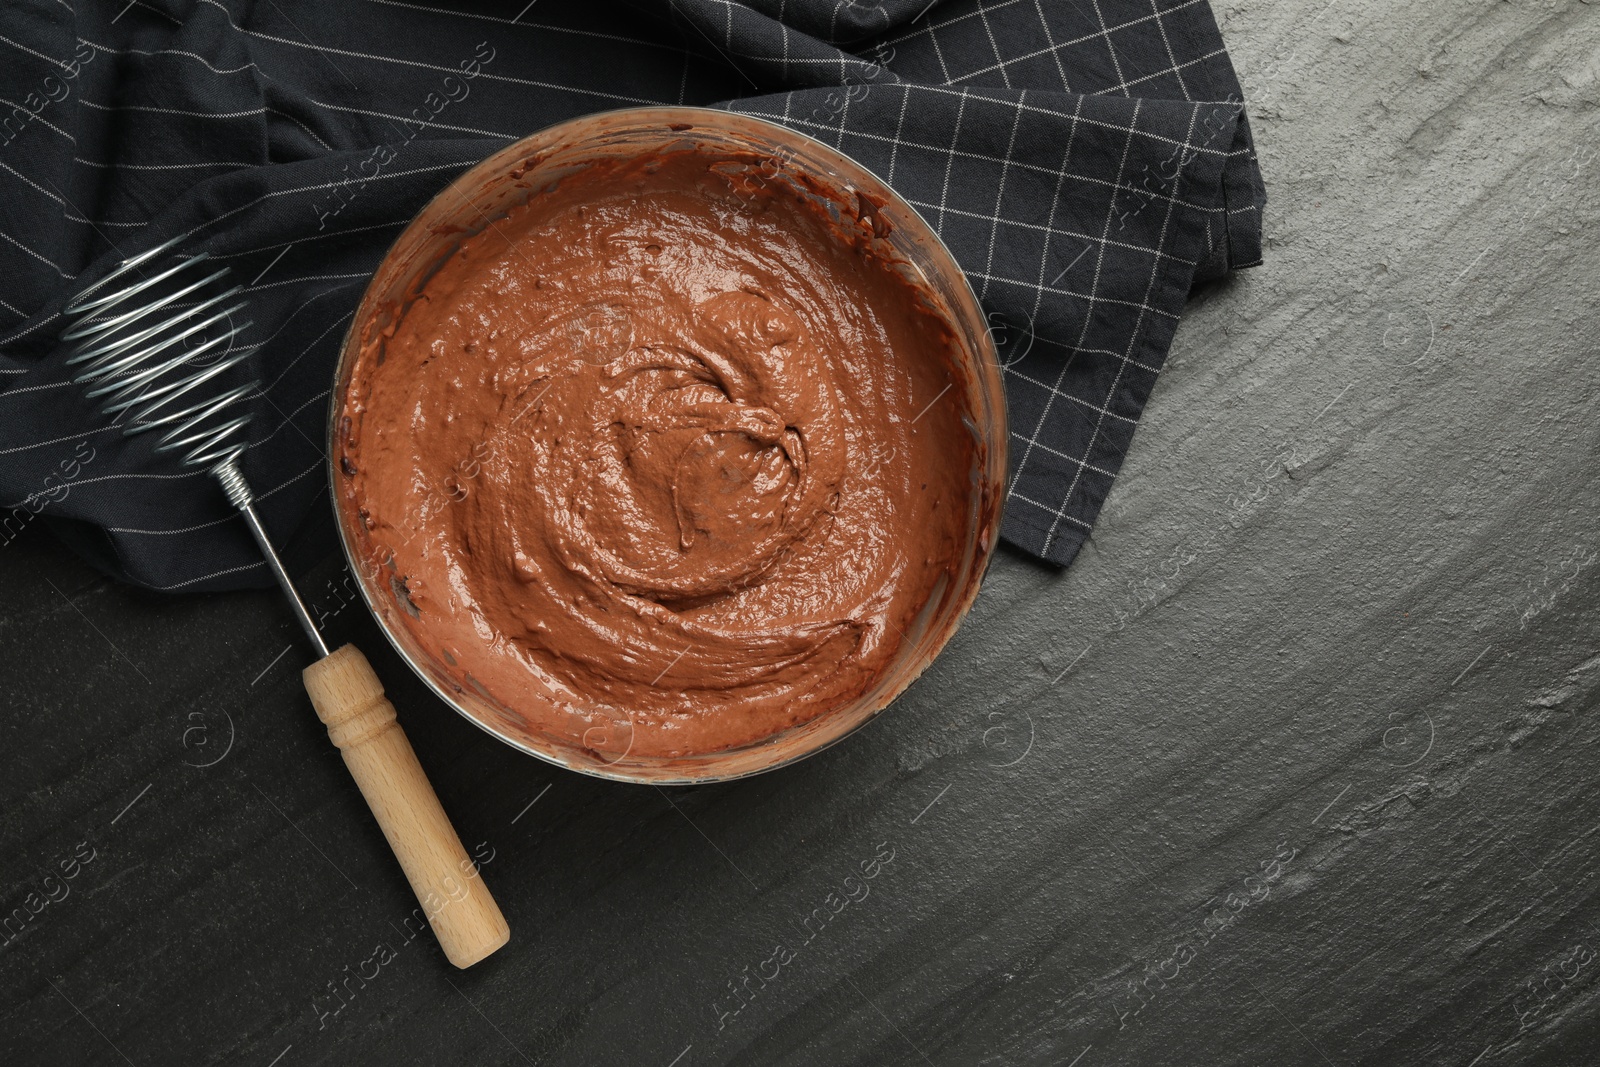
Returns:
(1055, 536)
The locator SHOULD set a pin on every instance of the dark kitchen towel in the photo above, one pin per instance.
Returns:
(1088, 161)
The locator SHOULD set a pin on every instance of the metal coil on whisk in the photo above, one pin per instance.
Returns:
(137, 356)
(156, 352)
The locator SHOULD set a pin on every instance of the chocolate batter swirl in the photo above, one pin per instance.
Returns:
(663, 446)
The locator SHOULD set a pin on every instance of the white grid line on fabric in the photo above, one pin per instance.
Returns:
(155, 166)
(899, 129)
(226, 518)
(1133, 339)
(108, 50)
(1059, 513)
(313, 237)
(1085, 178)
(312, 299)
(1092, 351)
(1000, 190)
(950, 158)
(1055, 205)
(13, 106)
(176, 530)
(843, 61)
(154, 11)
(42, 259)
(308, 130)
(208, 577)
(171, 110)
(79, 482)
(1174, 66)
(351, 54)
(308, 188)
(844, 111)
(35, 388)
(932, 28)
(1105, 32)
(1054, 49)
(1069, 457)
(938, 53)
(1042, 228)
(314, 342)
(288, 420)
(37, 55)
(20, 334)
(1121, 87)
(310, 278)
(1090, 404)
(1083, 333)
(1123, 129)
(70, 217)
(988, 29)
(1081, 296)
(534, 25)
(784, 32)
(1059, 47)
(80, 435)
(404, 118)
(12, 170)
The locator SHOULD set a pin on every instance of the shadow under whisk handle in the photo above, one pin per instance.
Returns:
(349, 700)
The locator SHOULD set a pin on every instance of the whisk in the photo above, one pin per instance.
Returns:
(155, 349)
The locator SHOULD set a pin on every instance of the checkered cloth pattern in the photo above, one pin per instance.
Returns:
(1087, 161)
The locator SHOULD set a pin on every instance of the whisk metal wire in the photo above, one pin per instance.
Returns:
(134, 344)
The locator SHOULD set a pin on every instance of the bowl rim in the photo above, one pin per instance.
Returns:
(985, 359)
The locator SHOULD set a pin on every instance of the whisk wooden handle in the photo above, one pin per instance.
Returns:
(349, 700)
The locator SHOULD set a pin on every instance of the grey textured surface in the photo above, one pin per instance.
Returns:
(1295, 765)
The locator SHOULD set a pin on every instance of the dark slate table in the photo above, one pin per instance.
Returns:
(1296, 765)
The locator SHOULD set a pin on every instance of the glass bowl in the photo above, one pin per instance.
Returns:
(517, 173)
